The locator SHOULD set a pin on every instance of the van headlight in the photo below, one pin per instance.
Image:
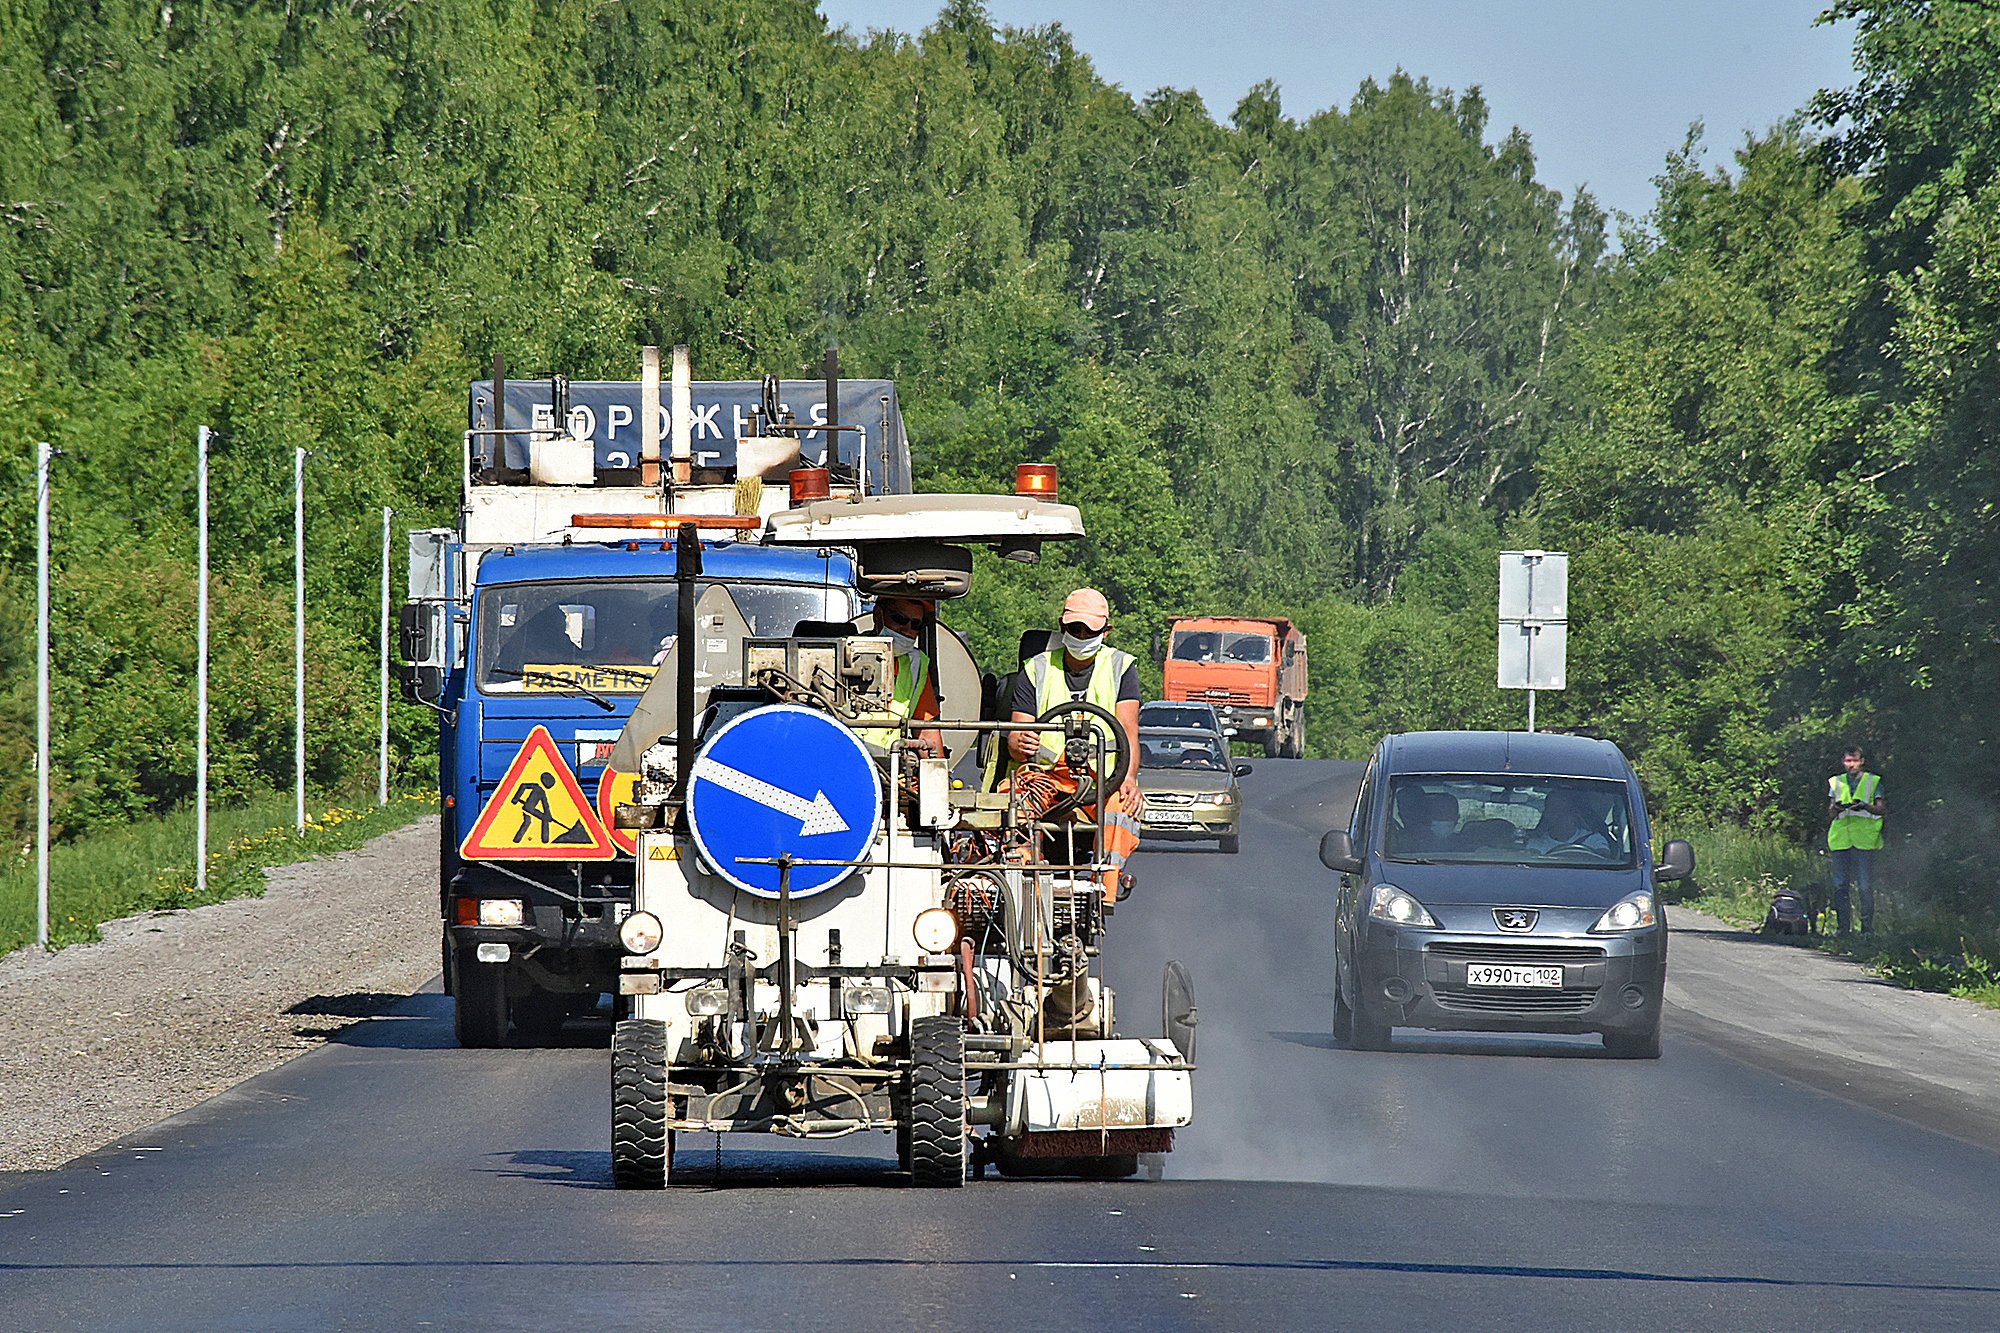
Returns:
(936, 929)
(640, 932)
(1388, 903)
(1632, 912)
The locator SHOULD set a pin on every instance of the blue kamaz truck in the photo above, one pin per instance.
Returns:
(534, 625)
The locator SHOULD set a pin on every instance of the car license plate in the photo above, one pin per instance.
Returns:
(1170, 816)
(1507, 974)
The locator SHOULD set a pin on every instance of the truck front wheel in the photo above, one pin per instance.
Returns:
(479, 1000)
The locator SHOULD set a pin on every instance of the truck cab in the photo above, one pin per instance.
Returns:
(559, 644)
(1252, 669)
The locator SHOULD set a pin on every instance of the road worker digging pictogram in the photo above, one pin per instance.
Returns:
(538, 813)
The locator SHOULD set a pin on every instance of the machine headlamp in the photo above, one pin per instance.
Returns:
(864, 999)
(707, 1001)
(936, 929)
(640, 932)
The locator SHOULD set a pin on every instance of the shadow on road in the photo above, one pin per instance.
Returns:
(697, 1166)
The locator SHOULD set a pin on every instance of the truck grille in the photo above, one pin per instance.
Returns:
(1220, 696)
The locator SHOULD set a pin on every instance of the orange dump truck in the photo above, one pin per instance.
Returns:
(1253, 670)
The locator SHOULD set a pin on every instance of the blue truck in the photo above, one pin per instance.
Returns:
(535, 624)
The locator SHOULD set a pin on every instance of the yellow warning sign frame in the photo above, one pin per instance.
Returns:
(561, 802)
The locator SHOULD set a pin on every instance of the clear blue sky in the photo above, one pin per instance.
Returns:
(1604, 88)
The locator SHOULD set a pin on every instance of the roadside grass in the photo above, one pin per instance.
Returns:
(1914, 945)
(149, 865)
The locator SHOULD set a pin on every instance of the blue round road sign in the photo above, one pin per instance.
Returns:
(783, 779)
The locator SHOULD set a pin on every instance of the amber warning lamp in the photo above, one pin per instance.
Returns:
(1037, 480)
(808, 484)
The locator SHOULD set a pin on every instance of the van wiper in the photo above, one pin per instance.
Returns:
(572, 686)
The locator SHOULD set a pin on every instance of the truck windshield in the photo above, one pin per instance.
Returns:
(610, 635)
(1495, 820)
(1211, 645)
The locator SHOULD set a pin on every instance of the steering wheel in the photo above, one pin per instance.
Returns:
(1077, 732)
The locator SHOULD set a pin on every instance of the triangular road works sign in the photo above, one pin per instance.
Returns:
(538, 813)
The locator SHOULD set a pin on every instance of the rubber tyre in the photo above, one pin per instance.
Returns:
(1366, 1031)
(642, 1147)
(479, 1001)
(1298, 733)
(1274, 746)
(1343, 1017)
(1634, 1045)
(1230, 843)
(937, 1143)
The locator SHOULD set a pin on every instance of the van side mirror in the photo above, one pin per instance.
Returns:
(1676, 861)
(1159, 647)
(1336, 852)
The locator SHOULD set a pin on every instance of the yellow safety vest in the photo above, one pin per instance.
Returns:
(1045, 671)
(903, 696)
(1860, 829)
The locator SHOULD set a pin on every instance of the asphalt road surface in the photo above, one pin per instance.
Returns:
(1457, 1182)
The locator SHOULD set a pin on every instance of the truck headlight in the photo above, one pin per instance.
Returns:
(500, 911)
(640, 932)
(936, 929)
(1632, 912)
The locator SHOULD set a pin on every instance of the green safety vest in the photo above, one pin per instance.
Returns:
(1045, 673)
(903, 696)
(1862, 830)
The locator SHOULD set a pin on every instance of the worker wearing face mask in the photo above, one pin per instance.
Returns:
(903, 620)
(1081, 666)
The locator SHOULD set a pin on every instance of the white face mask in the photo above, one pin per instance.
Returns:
(1082, 648)
(904, 643)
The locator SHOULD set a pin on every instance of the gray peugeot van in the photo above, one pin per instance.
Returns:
(1500, 881)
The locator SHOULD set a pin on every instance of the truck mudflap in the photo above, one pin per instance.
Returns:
(1116, 1087)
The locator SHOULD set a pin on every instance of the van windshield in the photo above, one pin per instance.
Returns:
(610, 635)
(1508, 820)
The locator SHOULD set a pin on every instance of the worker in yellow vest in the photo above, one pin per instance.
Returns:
(1082, 666)
(1854, 810)
(903, 621)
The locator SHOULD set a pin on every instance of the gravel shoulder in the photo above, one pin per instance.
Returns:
(98, 1041)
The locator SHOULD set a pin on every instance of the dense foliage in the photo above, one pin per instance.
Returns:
(1326, 367)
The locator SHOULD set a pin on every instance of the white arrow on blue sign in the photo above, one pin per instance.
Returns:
(784, 779)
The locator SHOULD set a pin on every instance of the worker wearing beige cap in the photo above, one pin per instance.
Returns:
(1082, 666)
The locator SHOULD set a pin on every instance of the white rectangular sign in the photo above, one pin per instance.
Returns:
(1534, 585)
(1533, 654)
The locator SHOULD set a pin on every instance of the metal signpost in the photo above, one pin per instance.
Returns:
(201, 665)
(299, 636)
(1534, 622)
(42, 455)
(742, 803)
(382, 778)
